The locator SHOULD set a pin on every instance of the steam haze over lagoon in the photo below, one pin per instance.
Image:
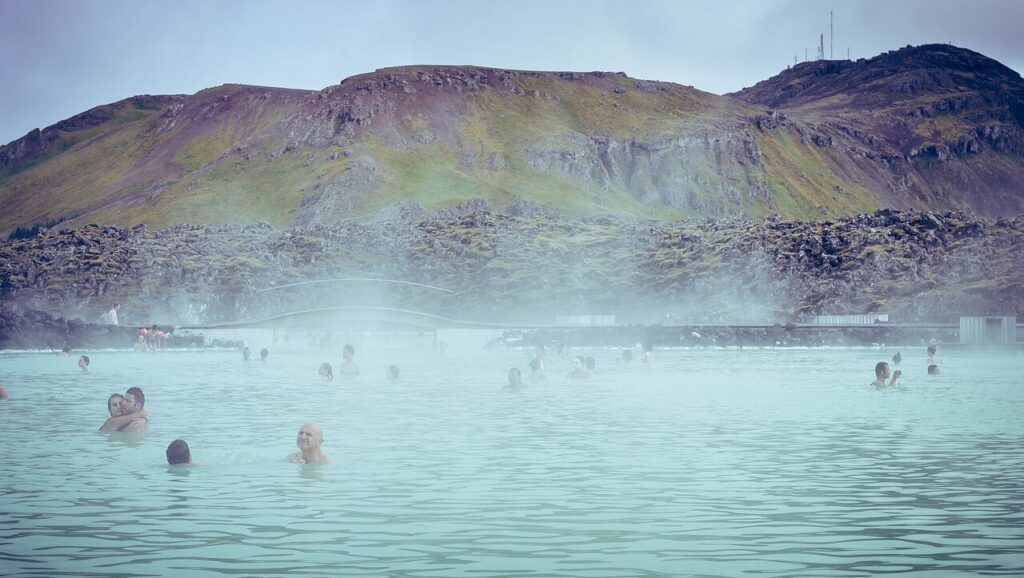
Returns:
(65, 57)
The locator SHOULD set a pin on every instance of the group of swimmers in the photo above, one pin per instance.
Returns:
(582, 367)
(128, 413)
(348, 365)
(883, 372)
(150, 339)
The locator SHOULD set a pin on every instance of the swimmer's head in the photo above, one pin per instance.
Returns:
(931, 349)
(348, 352)
(881, 370)
(114, 403)
(178, 453)
(590, 363)
(627, 355)
(535, 365)
(134, 400)
(515, 377)
(933, 369)
(310, 436)
(83, 362)
(392, 372)
(264, 353)
(326, 371)
(577, 361)
(246, 353)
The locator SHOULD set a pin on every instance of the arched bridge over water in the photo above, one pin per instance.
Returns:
(361, 316)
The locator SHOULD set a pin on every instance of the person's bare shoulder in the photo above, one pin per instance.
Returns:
(136, 426)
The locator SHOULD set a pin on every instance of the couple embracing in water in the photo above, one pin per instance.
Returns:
(126, 412)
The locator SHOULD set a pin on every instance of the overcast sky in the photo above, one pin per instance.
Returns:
(62, 57)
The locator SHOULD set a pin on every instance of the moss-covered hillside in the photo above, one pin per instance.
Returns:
(878, 134)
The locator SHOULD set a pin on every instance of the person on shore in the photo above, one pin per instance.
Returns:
(83, 363)
(120, 416)
(264, 353)
(246, 354)
(348, 364)
(309, 440)
(882, 373)
(3, 393)
(326, 372)
(392, 373)
(933, 358)
(178, 453)
(933, 369)
(142, 344)
(110, 317)
(515, 379)
(135, 401)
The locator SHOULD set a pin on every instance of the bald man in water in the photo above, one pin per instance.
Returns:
(309, 440)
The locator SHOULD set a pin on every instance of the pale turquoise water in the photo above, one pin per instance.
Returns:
(708, 463)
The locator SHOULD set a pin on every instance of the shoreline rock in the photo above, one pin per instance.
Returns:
(914, 266)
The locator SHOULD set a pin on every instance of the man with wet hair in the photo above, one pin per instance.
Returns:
(178, 453)
(135, 401)
(83, 363)
(515, 379)
(348, 365)
(309, 440)
(882, 373)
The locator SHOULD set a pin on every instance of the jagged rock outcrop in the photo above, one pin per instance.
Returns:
(915, 266)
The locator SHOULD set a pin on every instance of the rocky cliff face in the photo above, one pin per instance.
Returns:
(916, 266)
(935, 128)
(940, 125)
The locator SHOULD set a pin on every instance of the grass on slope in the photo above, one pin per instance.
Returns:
(803, 181)
(430, 175)
(234, 191)
(121, 113)
(71, 185)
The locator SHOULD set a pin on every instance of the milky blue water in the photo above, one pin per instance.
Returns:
(705, 463)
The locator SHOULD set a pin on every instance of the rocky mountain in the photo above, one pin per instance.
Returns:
(941, 124)
(933, 127)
